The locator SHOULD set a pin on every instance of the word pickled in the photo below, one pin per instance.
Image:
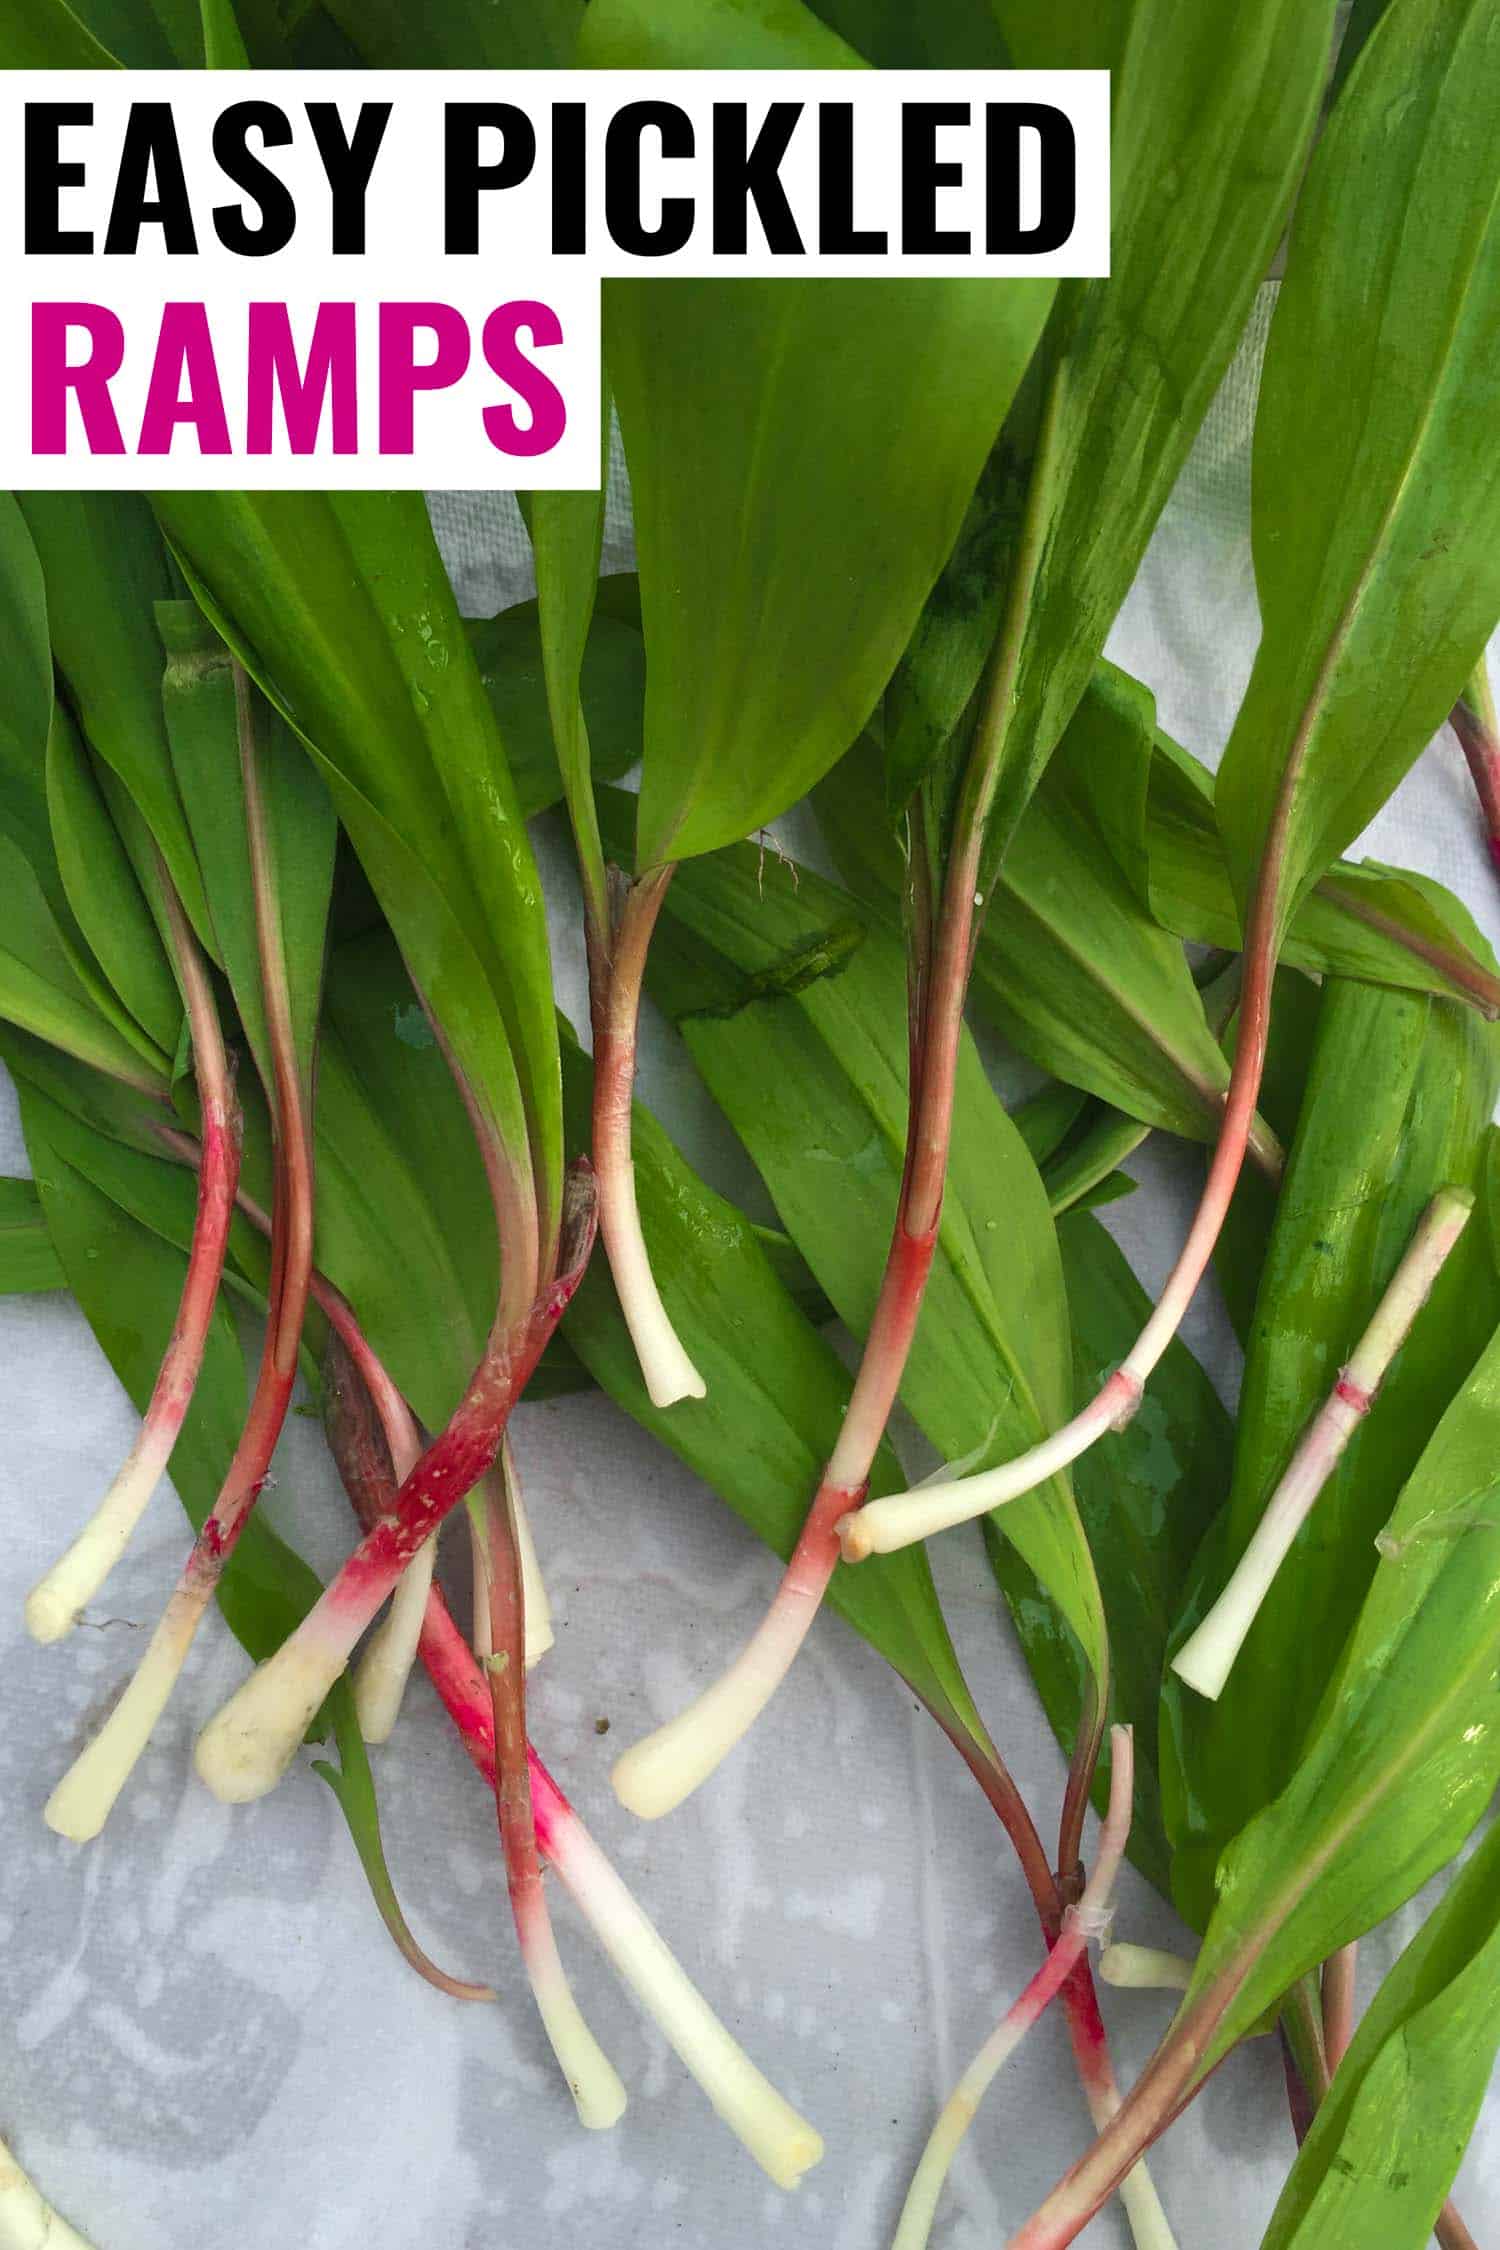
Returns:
(793, 167)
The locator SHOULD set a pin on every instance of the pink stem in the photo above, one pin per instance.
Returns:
(657, 1773)
(615, 979)
(54, 1603)
(1338, 2003)
(292, 1230)
(1479, 745)
(1080, 1922)
(245, 1748)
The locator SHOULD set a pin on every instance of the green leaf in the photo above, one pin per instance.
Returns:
(462, 34)
(793, 1010)
(28, 1261)
(1069, 967)
(48, 35)
(801, 455)
(198, 700)
(1376, 506)
(1405, 1753)
(612, 683)
(1398, 1098)
(1387, 925)
(1212, 113)
(1145, 1505)
(940, 35)
(340, 608)
(26, 715)
(1390, 2134)
(41, 988)
(105, 567)
(103, 892)
(223, 48)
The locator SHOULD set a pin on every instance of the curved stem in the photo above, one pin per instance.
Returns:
(1473, 721)
(247, 1746)
(615, 994)
(82, 1800)
(54, 1603)
(1079, 1923)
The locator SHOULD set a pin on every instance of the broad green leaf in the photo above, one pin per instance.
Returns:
(198, 700)
(49, 35)
(41, 989)
(1376, 502)
(222, 47)
(1398, 1098)
(1391, 2132)
(28, 1261)
(26, 713)
(103, 892)
(462, 34)
(341, 609)
(508, 650)
(1212, 112)
(1387, 925)
(793, 1010)
(801, 454)
(1405, 1753)
(105, 567)
(939, 35)
(37, 740)
(1069, 966)
(1145, 1504)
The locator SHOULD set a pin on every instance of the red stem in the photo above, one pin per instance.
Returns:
(218, 1179)
(1338, 2004)
(292, 1227)
(455, 1460)
(1482, 750)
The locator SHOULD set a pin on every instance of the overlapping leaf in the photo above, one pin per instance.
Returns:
(1386, 924)
(1398, 1099)
(1376, 501)
(1212, 110)
(801, 455)
(1405, 1752)
(28, 1261)
(1069, 966)
(791, 1006)
(340, 607)
(1389, 2136)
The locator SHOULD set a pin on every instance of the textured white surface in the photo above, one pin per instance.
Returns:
(207, 2039)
